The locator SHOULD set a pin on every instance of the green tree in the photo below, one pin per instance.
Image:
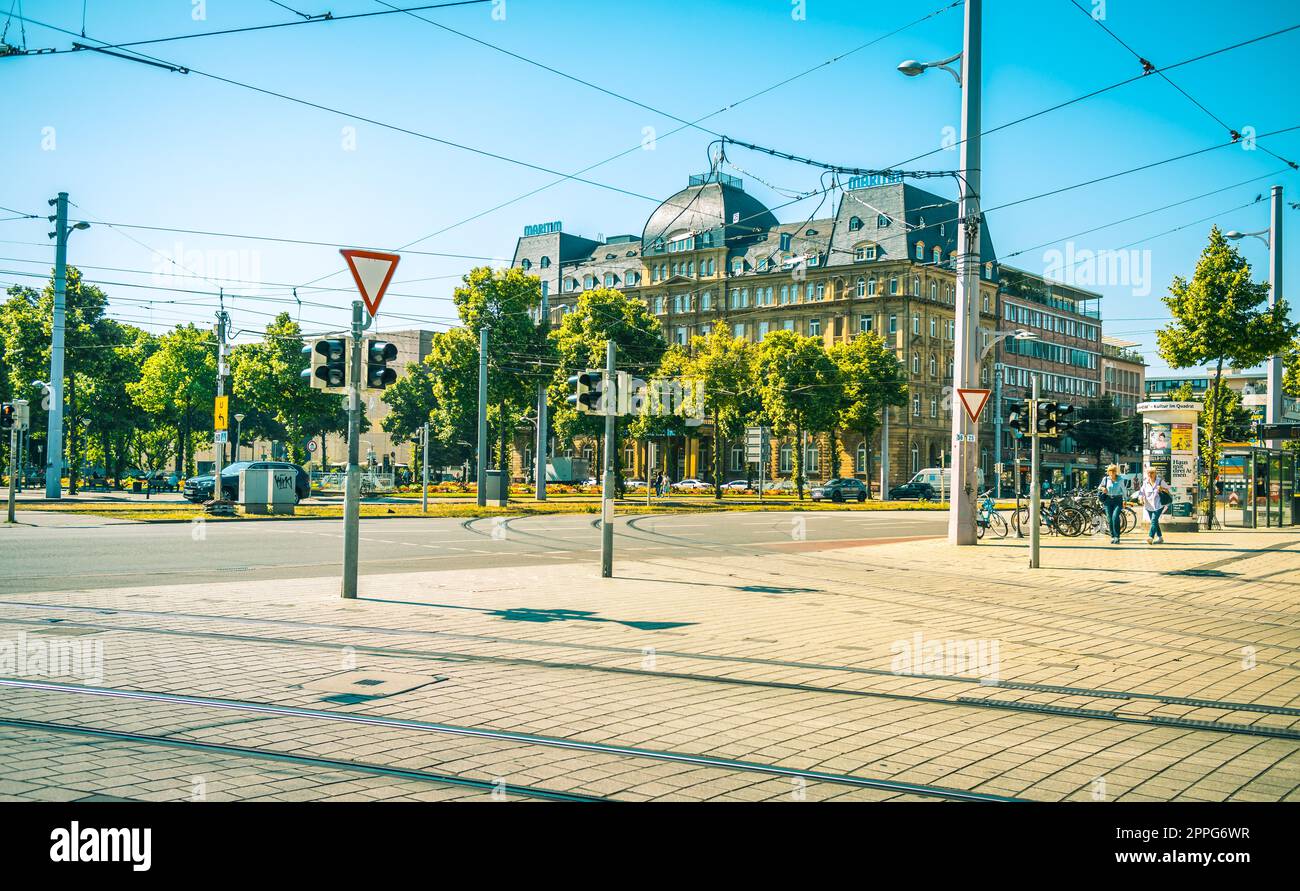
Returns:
(872, 379)
(799, 389)
(1100, 429)
(269, 389)
(506, 301)
(724, 367)
(1220, 316)
(113, 419)
(443, 391)
(600, 315)
(178, 385)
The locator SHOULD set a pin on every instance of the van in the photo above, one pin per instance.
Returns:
(940, 478)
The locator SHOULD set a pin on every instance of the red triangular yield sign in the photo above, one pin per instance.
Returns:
(372, 271)
(973, 401)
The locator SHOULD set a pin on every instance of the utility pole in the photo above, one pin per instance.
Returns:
(1273, 413)
(352, 490)
(1035, 488)
(218, 442)
(482, 415)
(424, 464)
(54, 436)
(961, 512)
(610, 403)
(540, 449)
(997, 425)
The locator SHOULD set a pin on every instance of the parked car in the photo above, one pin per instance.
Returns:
(199, 489)
(692, 485)
(737, 485)
(840, 489)
(914, 489)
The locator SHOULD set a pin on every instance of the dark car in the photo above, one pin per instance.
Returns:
(199, 489)
(840, 489)
(919, 491)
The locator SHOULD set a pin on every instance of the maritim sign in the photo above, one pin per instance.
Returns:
(543, 228)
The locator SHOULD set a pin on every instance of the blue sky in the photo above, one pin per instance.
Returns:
(136, 144)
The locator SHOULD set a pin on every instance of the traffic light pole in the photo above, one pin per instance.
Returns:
(352, 492)
(54, 434)
(13, 470)
(482, 415)
(424, 469)
(610, 403)
(539, 454)
(219, 448)
(1035, 488)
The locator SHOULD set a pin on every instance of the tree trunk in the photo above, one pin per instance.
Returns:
(719, 446)
(798, 461)
(866, 445)
(72, 425)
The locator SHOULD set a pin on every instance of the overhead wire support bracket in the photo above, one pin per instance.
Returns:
(150, 62)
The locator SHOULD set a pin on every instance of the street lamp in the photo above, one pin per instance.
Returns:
(1272, 236)
(961, 512)
(239, 419)
(1018, 334)
(54, 430)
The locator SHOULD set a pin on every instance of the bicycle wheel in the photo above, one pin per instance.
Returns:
(979, 527)
(1129, 520)
(1020, 519)
(997, 524)
(1070, 522)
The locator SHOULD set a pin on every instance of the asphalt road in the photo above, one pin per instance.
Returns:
(88, 552)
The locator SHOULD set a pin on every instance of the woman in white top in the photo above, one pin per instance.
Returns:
(1149, 496)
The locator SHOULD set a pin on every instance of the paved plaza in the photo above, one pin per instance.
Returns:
(816, 665)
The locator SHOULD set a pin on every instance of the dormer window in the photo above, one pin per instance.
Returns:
(811, 232)
(920, 250)
(737, 266)
(882, 221)
(546, 263)
(938, 255)
(855, 223)
(525, 264)
(610, 279)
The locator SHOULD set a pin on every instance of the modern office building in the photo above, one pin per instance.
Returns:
(1064, 353)
(1123, 382)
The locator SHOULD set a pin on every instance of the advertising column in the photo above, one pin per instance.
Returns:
(1170, 441)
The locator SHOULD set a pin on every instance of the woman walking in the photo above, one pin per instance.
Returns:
(1155, 497)
(1112, 495)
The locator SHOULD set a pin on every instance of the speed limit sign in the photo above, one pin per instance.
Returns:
(311, 445)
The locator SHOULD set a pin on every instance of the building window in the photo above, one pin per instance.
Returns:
(609, 279)
(871, 287)
(762, 264)
(785, 458)
(525, 264)
(934, 406)
(916, 459)
(916, 323)
(934, 366)
(882, 221)
(788, 324)
(821, 290)
(546, 262)
(920, 250)
(706, 301)
(785, 294)
(934, 322)
(737, 458)
(865, 324)
(861, 289)
(814, 327)
(680, 337)
(811, 459)
(860, 459)
(893, 285)
(934, 291)
(737, 266)
(763, 328)
(916, 364)
(893, 324)
(872, 253)
(938, 255)
(738, 330)
(855, 223)
(916, 406)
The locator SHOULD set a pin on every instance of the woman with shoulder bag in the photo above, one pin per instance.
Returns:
(1111, 492)
(1155, 497)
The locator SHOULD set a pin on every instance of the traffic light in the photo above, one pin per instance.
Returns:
(329, 364)
(376, 374)
(1046, 418)
(589, 387)
(1018, 420)
(8, 416)
(1063, 418)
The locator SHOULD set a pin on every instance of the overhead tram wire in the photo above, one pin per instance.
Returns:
(1150, 68)
(306, 20)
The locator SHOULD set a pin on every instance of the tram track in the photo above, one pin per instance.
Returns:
(508, 736)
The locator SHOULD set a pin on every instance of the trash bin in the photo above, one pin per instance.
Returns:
(497, 488)
(136, 485)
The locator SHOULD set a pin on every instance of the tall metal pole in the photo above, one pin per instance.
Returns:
(424, 470)
(1035, 488)
(884, 453)
(54, 436)
(997, 426)
(352, 490)
(540, 448)
(13, 469)
(482, 415)
(610, 403)
(1273, 412)
(961, 512)
(219, 447)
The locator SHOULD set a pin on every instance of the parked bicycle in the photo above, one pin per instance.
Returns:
(988, 517)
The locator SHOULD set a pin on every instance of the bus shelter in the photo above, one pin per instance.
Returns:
(1260, 487)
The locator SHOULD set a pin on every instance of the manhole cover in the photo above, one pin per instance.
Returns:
(375, 683)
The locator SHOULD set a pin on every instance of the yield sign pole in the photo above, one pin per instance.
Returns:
(372, 271)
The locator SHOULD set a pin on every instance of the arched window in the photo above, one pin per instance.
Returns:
(855, 223)
(546, 262)
(882, 221)
(916, 286)
(860, 458)
(525, 264)
(861, 290)
(916, 363)
(609, 279)
(934, 291)
(934, 366)
(938, 255)
(589, 281)
(916, 459)
(920, 250)
(871, 287)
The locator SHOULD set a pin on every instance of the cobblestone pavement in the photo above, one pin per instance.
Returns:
(908, 670)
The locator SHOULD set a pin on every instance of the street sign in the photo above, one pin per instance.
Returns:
(311, 445)
(757, 444)
(973, 400)
(219, 437)
(372, 271)
(221, 414)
